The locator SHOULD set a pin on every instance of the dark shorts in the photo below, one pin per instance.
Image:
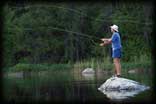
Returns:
(116, 53)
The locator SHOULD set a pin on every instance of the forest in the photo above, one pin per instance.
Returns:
(70, 32)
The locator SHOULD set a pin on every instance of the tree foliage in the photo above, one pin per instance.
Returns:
(69, 32)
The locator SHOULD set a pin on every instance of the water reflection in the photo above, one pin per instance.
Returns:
(120, 95)
(66, 85)
(88, 76)
(21, 74)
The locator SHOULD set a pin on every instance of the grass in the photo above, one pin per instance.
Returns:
(131, 65)
(96, 63)
(125, 65)
(37, 67)
(107, 63)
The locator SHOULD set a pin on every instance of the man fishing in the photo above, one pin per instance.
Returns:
(116, 48)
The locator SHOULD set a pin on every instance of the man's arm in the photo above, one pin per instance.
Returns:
(106, 42)
(105, 39)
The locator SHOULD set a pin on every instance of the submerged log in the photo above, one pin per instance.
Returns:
(121, 88)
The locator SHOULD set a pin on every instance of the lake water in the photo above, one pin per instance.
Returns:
(70, 86)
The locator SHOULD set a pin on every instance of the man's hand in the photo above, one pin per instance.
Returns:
(103, 39)
(106, 41)
(102, 44)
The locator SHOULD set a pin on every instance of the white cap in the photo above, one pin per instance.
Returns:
(115, 27)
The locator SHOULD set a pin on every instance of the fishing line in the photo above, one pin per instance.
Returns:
(81, 13)
(77, 33)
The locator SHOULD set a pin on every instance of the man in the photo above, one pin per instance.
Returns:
(116, 48)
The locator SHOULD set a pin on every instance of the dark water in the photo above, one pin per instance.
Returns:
(69, 86)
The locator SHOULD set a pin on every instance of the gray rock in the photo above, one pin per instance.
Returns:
(88, 71)
(121, 88)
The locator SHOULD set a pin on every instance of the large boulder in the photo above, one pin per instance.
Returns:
(121, 88)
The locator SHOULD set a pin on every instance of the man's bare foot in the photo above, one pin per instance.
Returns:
(118, 75)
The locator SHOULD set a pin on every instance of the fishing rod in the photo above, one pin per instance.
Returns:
(76, 33)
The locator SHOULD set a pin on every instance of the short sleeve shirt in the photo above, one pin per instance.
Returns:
(116, 41)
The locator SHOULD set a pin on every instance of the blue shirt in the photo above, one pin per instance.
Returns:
(116, 41)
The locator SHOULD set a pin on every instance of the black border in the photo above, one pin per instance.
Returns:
(114, 1)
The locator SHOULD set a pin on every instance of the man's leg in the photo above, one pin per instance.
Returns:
(117, 66)
(115, 70)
